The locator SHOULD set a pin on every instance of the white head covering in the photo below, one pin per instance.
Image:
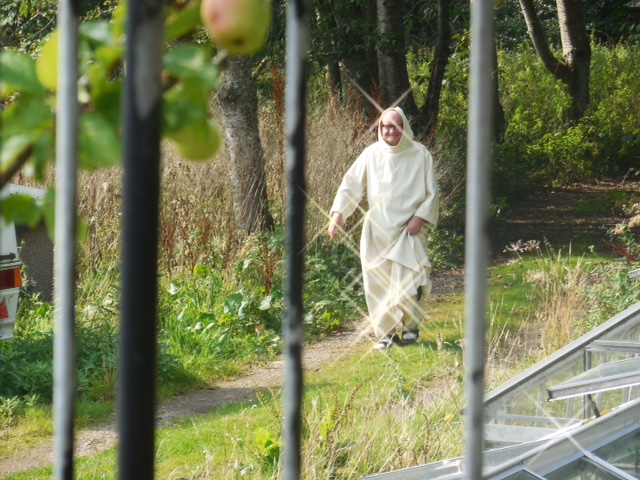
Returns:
(407, 133)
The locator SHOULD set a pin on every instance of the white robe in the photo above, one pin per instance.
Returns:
(400, 183)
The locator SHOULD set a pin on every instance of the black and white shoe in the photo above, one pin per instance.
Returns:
(387, 342)
(410, 336)
(384, 344)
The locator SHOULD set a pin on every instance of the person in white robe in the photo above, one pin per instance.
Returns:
(398, 176)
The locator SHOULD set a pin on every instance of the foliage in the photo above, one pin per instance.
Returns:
(27, 89)
(541, 148)
(25, 23)
(209, 325)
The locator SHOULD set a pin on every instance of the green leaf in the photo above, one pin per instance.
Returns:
(189, 61)
(48, 208)
(183, 22)
(99, 32)
(21, 209)
(28, 113)
(109, 56)
(43, 152)
(119, 21)
(14, 144)
(184, 104)
(99, 144)
(18, 74)
(106, 100)
(23, 122)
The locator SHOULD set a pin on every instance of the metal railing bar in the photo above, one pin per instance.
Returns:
(477, 227)
(140, 221)
(296, 65)
(64, 348)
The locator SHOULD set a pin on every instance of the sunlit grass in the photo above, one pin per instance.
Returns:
(371, 411)
(375, 412)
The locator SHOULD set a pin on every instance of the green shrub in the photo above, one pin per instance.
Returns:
(541, 146)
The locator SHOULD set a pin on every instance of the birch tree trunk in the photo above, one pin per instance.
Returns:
(238, 101)
(574, 69)
(576, 52)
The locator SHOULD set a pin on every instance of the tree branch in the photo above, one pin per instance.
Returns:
(557, 68)
(15, 166)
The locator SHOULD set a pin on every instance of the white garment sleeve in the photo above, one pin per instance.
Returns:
(428, 209)
(351, 189)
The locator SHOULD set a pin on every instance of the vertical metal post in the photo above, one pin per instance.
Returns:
(477, 228)
(296, 66)
(64, 344)
(141, 191)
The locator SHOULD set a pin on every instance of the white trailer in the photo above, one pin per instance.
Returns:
(10, 280)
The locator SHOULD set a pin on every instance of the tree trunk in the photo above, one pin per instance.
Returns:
(238, 101)
(356, 72)
(574, 70)
(371, 46)
(499, 120)
(334, 80)
(430, 109)
(392, 63)
(576, 51)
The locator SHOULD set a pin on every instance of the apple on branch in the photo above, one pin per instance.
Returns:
(240, 27)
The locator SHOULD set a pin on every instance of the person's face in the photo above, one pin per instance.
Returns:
(391, 127)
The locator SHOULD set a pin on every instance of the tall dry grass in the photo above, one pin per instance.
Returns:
(197, 219)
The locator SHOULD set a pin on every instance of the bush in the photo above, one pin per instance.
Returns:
(541, 147)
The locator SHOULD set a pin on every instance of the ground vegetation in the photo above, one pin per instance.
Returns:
(221, 291)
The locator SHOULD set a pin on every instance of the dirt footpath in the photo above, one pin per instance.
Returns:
(91, 442)
(323, 352)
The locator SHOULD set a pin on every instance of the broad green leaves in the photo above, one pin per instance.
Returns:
(192, 62)
(182, 23)
(99, 145)
(47, 63)
(18, 74)
(27, 129)
(28, 90)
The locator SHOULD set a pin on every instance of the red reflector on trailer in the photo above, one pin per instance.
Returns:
(4, 312)
(10, 278)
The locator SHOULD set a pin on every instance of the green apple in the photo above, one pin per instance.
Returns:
(198, 141)
(47, 63)
(240, 27)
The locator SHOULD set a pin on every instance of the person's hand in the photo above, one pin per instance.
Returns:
(335, 223)
(414, 225)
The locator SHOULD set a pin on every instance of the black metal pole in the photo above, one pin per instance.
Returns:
(297, 46)
(141, 190)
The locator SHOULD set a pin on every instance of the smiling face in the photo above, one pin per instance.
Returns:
(391, 127)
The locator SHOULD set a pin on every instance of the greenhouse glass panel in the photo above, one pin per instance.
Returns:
(524, 475)
(623, 453)
(518, 411)
(606, 376)
(581, 469)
